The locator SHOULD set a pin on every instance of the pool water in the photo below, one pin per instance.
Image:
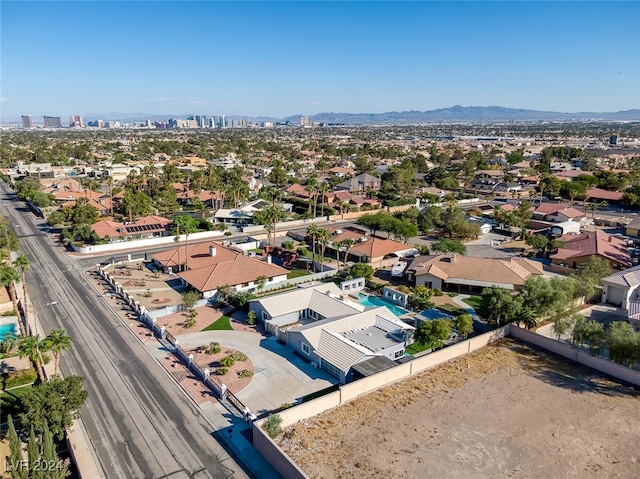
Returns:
(432, 314)
(7, 328)
(374, 301)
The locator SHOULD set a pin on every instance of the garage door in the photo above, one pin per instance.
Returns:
(615, 296)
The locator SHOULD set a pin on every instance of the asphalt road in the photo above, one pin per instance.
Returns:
(140, 422)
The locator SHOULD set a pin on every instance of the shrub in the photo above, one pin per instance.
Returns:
(245, 373)
(437, 292)
(227, 233)
(221, 371)
(190, 322)
(238, 356)
(227, 362)
(19, 378)
(251, 318)
(9, 313)
(213, 348)
(286, 405)
(273, 425)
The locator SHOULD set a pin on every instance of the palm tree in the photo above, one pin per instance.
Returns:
(313, 231)
(58, 341)
(109, 181)
(324, 236)
(23, 262)
(347, 244)
(31, 347)
(8, 278)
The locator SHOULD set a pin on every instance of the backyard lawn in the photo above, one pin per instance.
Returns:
(296, 273)
(223, 323)
(415, 348)
(473, 301)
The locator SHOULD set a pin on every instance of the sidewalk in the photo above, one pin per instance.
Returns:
(77, 440)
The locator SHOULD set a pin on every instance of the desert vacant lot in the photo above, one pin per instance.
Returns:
(505, 411)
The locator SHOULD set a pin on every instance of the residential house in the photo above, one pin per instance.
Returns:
(557, 213)
(306, 303)
(463, 273)
(507, 187)
(147, 227)
(493, 175)
(338, 345)
(482, 184)
(580, 248)
(298, 191)
(360, 184)
(633, 228)
(372, 249)
(206, 267)
(604, 195)
(332, 331)
(622, 287)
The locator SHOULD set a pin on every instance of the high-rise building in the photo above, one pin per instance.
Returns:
(52, 122)
(305, 121)
(27, 121)
(75, 121)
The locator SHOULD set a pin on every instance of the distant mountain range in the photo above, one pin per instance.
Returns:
(473, 114)
(466, 114)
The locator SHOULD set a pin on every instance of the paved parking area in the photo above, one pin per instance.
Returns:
(280, 376)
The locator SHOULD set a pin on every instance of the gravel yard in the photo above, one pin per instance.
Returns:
(505, 411)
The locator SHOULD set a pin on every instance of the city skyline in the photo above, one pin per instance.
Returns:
(279, 59)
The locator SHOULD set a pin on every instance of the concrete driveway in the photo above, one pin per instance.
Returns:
(279, 375)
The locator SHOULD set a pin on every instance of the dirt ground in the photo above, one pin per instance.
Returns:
(505, 411)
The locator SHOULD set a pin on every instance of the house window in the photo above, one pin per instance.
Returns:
(245, 285)
(305, 349)
(398, 354)
(429, 284)
(265, 316)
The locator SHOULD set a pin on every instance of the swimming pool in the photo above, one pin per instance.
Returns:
(432, 314)
(7, 328)
(374, 301)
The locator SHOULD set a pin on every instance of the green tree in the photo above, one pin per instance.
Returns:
(421, 298)
(34, 348)
(563, 324)
(83, 213)
(53, 404)
(590, 275)
(313, 231)
(430, 219)
(57, 341)
(589, 332)
(623, 343)
(498, 306)
(362, 270)
(433, 333)
(189, 299)
(33, 454)
(324, 238)
(464, 325)
(15, 452)
(261, 281)
(48, 456)
(537, 242)
(446, 245)
(22, 263)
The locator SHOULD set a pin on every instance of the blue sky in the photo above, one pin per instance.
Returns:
(284, 58)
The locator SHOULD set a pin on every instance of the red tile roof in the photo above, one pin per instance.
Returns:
(600, 194)
(594, 243)
(226, 266)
